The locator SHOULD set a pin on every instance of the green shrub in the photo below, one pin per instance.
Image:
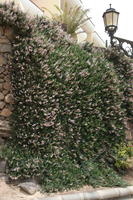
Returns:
(124, 70)
(122, 155)
(100, 174)
(68, 108)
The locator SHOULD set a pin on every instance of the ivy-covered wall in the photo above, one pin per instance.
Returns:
(70, 107)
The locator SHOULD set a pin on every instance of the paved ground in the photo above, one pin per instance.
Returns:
(10, 192)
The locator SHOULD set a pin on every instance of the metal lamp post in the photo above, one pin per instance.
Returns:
(110, 18)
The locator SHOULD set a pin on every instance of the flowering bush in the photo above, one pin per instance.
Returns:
(68, 106)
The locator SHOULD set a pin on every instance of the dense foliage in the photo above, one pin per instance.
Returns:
(68, 115)
(123, 67)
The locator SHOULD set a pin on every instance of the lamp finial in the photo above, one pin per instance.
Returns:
(110, 5)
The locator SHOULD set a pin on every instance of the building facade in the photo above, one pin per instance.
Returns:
(87, 31)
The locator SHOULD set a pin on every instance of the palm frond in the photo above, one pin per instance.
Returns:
(71, 18)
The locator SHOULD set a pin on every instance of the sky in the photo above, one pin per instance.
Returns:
(125, 24)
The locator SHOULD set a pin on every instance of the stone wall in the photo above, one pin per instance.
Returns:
(6, 97)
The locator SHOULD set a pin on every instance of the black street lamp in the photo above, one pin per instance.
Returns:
(110, 18)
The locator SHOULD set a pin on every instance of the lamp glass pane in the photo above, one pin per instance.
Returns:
(115, 18)
(109, 19)
(104, 19)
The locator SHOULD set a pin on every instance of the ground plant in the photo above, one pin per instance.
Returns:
(68, 119)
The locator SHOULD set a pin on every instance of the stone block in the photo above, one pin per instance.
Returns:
(6, 69)
(10, 107)
(6, 112)
(2, 61)
(4, 134)
(52, 198)
(4, 129)
(1, 31)
(2, 104)
(5, 48)
(89, 195)
(29, 187)
(5, 92)
(79, 196)
(124, 191)
(4, 40)
(1, 80)
(130, 188)
(1, 86)
(2, 141)
(9, 33)
(4, 125)
(4, 178)
(6, 77)
(1, 96)
(9, 98)
(2, 75)
(2, 69)
(7, 86)
(109, 193)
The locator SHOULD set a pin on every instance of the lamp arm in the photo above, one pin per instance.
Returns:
(125, 45)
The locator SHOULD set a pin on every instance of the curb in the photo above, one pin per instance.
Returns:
(96, 195)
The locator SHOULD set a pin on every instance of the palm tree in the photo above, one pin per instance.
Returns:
(70, 18)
